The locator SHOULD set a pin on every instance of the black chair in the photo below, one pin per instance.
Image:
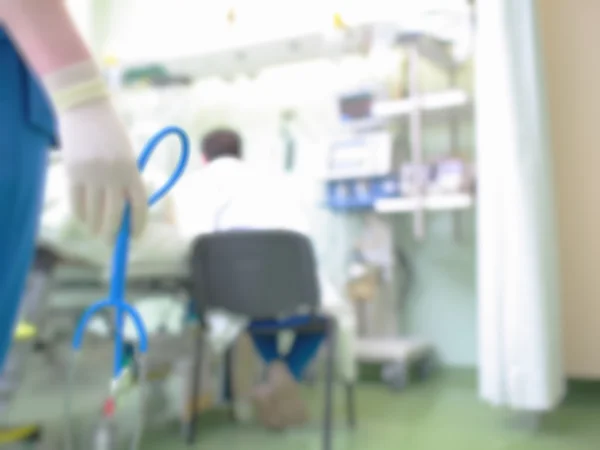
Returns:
(263, 275)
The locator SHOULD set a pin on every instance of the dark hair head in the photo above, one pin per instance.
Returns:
(220, 143)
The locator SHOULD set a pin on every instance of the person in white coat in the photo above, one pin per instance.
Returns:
(227, 195)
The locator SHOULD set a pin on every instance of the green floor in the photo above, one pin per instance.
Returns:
(442, 413)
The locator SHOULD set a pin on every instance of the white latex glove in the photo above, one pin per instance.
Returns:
(98, 156)
(102, 169)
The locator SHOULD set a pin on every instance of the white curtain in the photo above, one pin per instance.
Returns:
(519, 326)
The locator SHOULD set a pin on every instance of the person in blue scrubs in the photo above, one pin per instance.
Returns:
(28, 130)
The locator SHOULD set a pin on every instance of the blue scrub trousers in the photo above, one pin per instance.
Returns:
(27, 131)
(302, 352)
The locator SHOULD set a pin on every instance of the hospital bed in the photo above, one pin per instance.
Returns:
(76, 285)
(63, 288)
(157, 270)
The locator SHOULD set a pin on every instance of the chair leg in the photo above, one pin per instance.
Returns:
(229, 392)
(329, 386)
(192, 425)
(351, 405)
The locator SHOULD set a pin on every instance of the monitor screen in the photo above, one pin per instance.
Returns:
(356, 106)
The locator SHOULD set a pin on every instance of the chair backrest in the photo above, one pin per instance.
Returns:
(258, 274)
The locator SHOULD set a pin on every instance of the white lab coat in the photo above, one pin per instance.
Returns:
(228, 194)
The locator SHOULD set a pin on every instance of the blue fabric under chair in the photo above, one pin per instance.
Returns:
(264, 334)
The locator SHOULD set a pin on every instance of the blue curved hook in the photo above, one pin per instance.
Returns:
(181, 164)
(118, 278)
(138, 323)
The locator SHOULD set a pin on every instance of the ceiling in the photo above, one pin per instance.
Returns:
(146, 30)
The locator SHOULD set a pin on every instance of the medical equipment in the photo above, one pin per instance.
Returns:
(288, 138)
(360, 164)
(360, 156)
(116, 299)
(356, 106)
(452, 175)
(361, 169)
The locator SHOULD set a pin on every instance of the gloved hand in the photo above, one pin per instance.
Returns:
(97, 152)
(102, 170)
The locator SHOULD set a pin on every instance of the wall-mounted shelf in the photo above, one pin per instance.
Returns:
(433, 106)
(417, 108)
(444, 100)
(365, 114)
(450, 202)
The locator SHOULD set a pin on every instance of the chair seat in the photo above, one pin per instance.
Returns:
(305, 323)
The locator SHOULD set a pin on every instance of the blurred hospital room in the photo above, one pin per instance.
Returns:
(372, 225)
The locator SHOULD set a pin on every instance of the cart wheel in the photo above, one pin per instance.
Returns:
(395, 375)
(426, 367)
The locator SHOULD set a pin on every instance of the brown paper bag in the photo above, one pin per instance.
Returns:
(246, 368)
(366, 287)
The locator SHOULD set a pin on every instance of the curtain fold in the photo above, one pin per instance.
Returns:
(520, 358)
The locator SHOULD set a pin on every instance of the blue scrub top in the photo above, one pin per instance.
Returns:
(39, 113)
